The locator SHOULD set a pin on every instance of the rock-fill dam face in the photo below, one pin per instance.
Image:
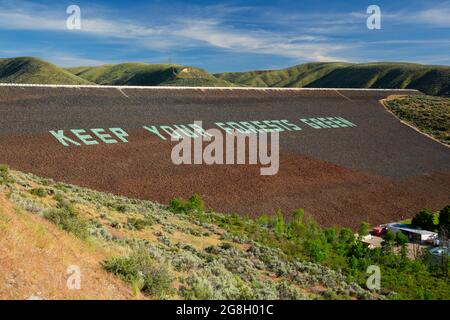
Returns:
(343, 157)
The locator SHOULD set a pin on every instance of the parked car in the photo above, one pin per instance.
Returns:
(438, 251)
(378, 231)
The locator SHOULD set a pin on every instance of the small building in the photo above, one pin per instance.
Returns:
(372, 241)
(414, 235)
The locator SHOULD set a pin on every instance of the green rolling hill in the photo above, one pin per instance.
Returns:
(434, 80)
(142, 74)
(297, 76)
(35, 71)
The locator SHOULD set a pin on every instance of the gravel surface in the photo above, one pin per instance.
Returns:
(377, 171)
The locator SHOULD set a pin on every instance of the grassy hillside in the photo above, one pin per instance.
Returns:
(128, 248)
(433, 80)
(430, 115)
(35, 71)
(297, 76)
(159, 253)
(142, 74)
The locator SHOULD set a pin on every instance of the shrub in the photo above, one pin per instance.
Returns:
(288, 292)
(39, 192)
(329, 295)
(215, 282)
(265, 290)
(139, 268)
(139, 224)
(177, 205)
(194, 204)
(59, 197)
(424, 220)
(97, 230)
(121, 208)
(185, 261)
(68, 219)
(164, 239)
(4, 174)
(27, 204)
(265, 221)
(226, 246)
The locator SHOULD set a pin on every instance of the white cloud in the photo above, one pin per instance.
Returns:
(262, 42)
(118, 29)
(433, 16)
(68, 60)
(177, 33)
(28, 21)
(301, 36)
(439, 16)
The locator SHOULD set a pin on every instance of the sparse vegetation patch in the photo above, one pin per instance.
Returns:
(151, 276)
(183, 251)
(430, 115)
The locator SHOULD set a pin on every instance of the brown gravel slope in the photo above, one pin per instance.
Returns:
(379, 171)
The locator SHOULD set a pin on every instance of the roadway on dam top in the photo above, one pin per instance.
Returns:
(376, 170)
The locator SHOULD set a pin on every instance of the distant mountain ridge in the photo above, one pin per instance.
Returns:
(433, 80)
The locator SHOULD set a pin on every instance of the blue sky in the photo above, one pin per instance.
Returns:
(227, 35)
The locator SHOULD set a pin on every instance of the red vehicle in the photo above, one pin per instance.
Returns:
(378, 231)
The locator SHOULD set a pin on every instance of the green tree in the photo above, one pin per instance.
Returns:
(296, 226)
(364, 229)
(401, 239)
(298, 216)
(424, 220)
(389, 236)
(196, 203)
(444, 220)
(358, 250)
(331, 235)
(279, 225)
(316, 249)
(346, 236)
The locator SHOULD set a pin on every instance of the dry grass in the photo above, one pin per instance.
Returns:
(430, 115)
(35, 255)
